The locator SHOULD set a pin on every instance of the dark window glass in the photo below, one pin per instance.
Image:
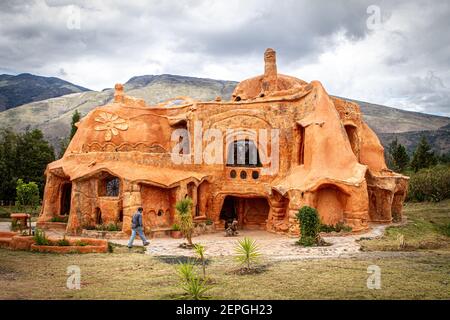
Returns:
(112, 187)
(243, 153)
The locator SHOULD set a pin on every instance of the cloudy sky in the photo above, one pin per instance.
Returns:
(395, 53)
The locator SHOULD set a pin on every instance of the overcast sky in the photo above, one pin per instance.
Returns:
(399, 57)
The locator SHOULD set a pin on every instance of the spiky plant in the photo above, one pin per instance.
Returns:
(183, 208)
(200, 252)
(185, 271)
(196, 288)
(247, 252)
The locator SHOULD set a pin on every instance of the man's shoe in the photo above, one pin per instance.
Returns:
(129, 247)
(146, 244)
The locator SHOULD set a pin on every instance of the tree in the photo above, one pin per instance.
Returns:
(75, 118)
(33, 153)
(398, 157)
(64, 142)
(8, 163)
(183, 208)
(27, 196)
(423, 156)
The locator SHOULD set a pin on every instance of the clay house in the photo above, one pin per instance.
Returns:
(279, 144)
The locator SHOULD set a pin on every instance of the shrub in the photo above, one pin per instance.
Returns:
(63, 242)
(209, 222)
(108, 227)
(432, 184)
(185, 218)
(175, 227)
(247, 252)
(309, 221)
(338, 227)
(60, 219)
(40, 238)
(81, 243)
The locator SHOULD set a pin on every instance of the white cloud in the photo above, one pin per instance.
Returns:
(403, 64)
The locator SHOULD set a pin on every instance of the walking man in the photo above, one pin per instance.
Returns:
(137, 226)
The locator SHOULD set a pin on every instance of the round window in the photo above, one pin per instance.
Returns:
(160, 212)
(233, 174)
(243, 175)
(255, 175)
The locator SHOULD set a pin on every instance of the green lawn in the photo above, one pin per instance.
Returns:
(420, 270)
(428, 227)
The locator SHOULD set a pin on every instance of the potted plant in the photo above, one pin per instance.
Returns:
(176, 231)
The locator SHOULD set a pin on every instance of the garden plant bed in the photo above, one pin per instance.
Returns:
(89, 246)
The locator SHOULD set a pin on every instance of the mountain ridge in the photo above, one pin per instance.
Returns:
(53, 115)
(17, 90)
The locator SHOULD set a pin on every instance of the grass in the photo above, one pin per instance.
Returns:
(421, 273)
(26, 275)
(428, 227)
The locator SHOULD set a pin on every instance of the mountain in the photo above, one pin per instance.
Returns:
(25, 88)
(438, 139)
(53, 115)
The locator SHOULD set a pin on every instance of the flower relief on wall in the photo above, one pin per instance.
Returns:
(111, 124)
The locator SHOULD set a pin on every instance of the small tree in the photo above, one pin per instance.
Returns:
(75, 118)
(27, 195)
(184, 208)
(398, 157)
(309, 221)
(423, 156)
(200, 252)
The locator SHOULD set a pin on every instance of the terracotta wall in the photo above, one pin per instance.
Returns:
(159, 206)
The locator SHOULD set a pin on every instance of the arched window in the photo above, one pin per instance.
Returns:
(243, 153)
(109, 186)
(112, 187)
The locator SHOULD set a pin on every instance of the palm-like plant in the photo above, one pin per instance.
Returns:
(185, 271)
(190, 282)
(196, 288)
(200, 252)
(183, 208)
(247, 252)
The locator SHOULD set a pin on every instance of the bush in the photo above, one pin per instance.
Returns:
(40, 238)
(309, 221)
(108, 227)
(338, 227)
(81, 243)
(63, 242)
(60, 219)
(432, 184)
(209, 222)
(175, 227)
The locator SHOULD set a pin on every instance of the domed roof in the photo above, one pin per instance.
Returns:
(269, 84)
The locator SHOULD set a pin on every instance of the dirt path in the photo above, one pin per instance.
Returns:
(272, 246)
